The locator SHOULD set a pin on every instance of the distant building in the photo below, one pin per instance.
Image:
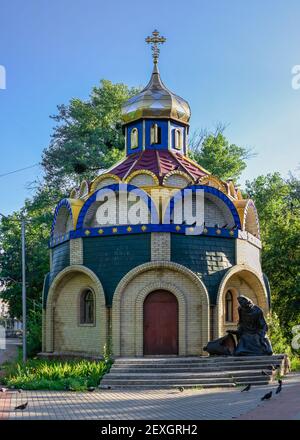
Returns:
(10, 324)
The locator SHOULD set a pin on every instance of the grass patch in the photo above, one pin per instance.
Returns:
(37, 374)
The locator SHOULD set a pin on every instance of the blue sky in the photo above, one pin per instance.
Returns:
(230, 59)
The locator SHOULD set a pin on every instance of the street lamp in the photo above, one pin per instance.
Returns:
(24, 312)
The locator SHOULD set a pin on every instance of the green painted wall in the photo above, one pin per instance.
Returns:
(112, 257)
(60, 259)
(208, 257)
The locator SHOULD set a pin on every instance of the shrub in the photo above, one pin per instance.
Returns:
(39, 374)
(34, 331)
(279, 342)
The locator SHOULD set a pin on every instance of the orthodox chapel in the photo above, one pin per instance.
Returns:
(141, 281)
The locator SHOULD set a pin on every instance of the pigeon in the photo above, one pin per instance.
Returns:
(247, 388)
(181, 389)
(91, 389)
(267, 396)
(3, 390)
(22, 407)
(279, 388)
(20, 390)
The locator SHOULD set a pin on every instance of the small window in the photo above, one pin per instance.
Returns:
(229, 307)
(87, 307)
(134, 138)
(178, 139)
(155, 134)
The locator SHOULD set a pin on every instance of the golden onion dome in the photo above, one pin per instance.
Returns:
(156, 101)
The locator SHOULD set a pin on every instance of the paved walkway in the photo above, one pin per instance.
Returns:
(222, 404)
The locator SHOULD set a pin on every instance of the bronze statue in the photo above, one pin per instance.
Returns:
(251, 333)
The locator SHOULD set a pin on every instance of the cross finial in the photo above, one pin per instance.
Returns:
(155, 40)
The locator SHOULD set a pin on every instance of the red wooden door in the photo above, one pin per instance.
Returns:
(160, 323)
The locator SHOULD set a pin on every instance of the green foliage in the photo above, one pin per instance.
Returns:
(54, 375)
(279, 342)
(34, 330)
(295, 363)
(38, 213)
(87, 132)
(278, 204)
(217, 155)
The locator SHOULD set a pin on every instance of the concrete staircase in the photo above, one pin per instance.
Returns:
(190, 372)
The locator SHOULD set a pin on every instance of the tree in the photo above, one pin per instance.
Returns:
(214, 152)
(38, 213)
(278, 204)
(88, 136)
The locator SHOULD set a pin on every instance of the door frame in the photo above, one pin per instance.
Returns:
(177, 322)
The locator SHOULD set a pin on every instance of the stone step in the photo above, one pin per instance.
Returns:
(186, 386)
(198, 360)
(186, 380)
(162, 376)
(164, 387)
(184, 367)
(170, 372)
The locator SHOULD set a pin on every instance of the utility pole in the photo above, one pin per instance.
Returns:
(24, 312)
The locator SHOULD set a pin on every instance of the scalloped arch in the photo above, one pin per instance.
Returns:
(116, 187)
(210, 190)
(101, 178)
(140, 173)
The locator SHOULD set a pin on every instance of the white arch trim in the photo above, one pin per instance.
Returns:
(262, 296)
(51, 298)
(145, 289)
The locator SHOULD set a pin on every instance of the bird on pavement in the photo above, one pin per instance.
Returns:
(3, 390)
(267, 396)
(91, 389)
(247, 388)
(181, 389)
(22, 406)
(279, 388)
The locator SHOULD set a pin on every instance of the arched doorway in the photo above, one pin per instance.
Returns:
(160, 323)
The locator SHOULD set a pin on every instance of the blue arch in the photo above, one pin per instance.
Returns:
(116, 187)
(210, 190)
(63, 202)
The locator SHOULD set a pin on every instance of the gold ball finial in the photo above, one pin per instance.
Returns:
(155, 41)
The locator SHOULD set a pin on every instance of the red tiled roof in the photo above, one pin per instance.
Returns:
(160, 162)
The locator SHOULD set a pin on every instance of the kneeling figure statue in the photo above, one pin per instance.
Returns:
(251, 334)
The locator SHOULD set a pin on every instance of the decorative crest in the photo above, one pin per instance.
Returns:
(155, 40)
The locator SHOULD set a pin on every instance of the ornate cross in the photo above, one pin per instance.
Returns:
(155, 40)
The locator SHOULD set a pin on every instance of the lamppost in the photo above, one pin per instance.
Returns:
(24, 312)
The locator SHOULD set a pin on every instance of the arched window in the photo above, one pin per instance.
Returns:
(178, 139)
(87, 307)
(134, 138)
(229, 306)
(155, 134)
